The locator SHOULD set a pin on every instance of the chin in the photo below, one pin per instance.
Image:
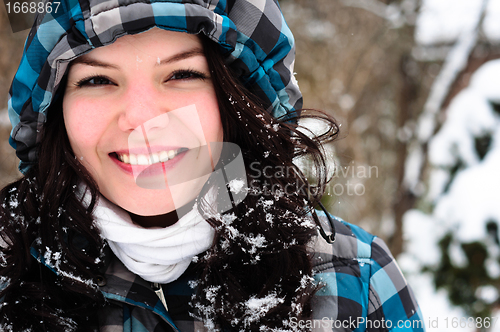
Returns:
(148, 209)
(154, 202)
(144, 205)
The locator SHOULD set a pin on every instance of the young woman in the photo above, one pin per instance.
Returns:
(136, 123)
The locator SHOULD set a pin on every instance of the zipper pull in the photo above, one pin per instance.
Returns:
(159, 292)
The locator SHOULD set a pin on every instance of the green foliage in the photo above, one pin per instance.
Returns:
(459, 165)
(482, 145)
(463, 283)
(495, 105)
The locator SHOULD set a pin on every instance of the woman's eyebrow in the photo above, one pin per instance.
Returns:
(93, 63)
(174, 58)
(181, 56)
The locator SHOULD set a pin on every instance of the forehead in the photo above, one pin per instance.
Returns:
(152, 43)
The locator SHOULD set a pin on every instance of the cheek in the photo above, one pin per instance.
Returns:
(83, 124)
(210, 120)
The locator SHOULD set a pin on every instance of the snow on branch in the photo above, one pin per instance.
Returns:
(454, 63)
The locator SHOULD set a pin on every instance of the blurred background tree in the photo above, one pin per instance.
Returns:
(354, 59)
(11, 47)
(393, 73)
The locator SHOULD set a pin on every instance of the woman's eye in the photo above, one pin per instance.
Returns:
(187, 74)
(94, 81)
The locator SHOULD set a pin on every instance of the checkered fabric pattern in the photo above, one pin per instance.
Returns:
(364, 287)
(253, 34)
(363, 290)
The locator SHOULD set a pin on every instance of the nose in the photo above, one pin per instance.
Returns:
(143, 105)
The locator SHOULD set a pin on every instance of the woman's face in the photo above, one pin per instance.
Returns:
(140, 114)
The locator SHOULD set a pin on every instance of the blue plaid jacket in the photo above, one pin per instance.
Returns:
(364, 287)
(363, 290)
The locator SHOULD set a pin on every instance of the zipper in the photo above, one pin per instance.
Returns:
(120, 299)
(159, 292)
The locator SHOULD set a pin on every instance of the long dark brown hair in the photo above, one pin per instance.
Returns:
(42, 218)
(260, 254)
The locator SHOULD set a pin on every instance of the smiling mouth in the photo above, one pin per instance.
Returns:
(148, 159)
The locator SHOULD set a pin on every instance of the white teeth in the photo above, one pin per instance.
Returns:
(144, 160)
(171, 154)
(163, 156)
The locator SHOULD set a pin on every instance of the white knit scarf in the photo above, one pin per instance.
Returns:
(156, 254)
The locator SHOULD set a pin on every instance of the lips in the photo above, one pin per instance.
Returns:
(149, 159)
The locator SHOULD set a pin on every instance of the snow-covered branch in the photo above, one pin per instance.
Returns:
(454, 63)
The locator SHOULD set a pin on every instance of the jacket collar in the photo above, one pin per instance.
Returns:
(117, 283)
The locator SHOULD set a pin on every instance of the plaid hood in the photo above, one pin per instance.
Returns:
(253, 34)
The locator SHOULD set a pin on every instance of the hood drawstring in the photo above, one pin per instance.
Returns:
(330, 238)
